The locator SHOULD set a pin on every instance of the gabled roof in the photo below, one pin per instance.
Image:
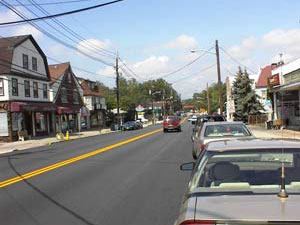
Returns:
(7, 46)
(264, 75)
(88, 91)
(57, 70)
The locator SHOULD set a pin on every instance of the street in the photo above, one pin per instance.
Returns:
(136, 183)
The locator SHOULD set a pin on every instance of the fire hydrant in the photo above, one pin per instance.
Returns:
(67, 135)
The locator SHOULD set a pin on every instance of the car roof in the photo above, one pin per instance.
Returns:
(222, 123)
(253, 143)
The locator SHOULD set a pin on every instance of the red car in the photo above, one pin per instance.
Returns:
(171, 123)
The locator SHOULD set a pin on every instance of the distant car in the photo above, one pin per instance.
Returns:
(143, 120)
(212, 131)
(139, 124)
(193, 119)
(203, 119)
(130, 125)
(171, 123)
(239, 182)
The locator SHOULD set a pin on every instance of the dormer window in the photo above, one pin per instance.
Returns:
(34, 63)
(25, 61)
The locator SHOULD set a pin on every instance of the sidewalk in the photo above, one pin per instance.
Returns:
(37, 142)
(262, 132)
(42, 141)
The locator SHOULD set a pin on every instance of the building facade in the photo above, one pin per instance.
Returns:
(66, 93)
(95, 102)
(24, 83)
(285, 87)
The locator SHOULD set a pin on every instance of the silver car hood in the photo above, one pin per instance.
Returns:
(248, 207)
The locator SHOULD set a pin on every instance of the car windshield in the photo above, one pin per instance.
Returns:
(252, 171)
(130, 123)
(221, 130)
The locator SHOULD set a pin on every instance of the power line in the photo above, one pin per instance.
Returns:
(55, 38)
(57, 61)
(186, 65)
(237, 61)
(59, 14)
(131, 71)
(193, 74)
(95, 49)
(56, 3)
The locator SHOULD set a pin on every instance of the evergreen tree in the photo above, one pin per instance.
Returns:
(245, 98)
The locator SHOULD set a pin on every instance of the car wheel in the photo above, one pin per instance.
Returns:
(165, 130)
(179, 129)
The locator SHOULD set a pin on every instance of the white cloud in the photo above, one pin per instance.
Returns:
(182, 42)
(24, 29)
(243, 50)
(108, 71)
(86, 46)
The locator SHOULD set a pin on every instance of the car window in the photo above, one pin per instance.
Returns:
(221, 130)
(252, 170)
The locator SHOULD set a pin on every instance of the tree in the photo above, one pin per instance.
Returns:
(245, 98)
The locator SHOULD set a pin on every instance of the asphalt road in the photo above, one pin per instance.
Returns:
(136, 183)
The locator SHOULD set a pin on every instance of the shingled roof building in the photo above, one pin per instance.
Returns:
(24, 83)
(66, 94)
(94, 100)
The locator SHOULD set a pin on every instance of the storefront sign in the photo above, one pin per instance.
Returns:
(274, 80)
(3, 124)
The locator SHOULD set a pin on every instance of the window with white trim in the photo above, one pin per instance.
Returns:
(1, 87)
(14, 82)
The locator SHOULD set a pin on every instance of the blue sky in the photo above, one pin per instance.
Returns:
(154, 37)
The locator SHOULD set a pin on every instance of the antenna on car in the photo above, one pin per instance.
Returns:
(282, 193)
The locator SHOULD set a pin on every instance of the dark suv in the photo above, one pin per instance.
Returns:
(206, 118)
(171, 123)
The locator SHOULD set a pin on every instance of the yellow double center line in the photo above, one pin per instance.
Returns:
(72, 160)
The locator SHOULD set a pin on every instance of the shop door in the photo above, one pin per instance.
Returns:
(28, 122)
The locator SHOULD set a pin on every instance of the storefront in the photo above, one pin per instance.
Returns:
(67, 119)
(97, 118)
(32, 117)
(287, 105)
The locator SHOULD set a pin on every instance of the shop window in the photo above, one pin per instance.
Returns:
(75, 97)
(1, 87)
(34, 63)
(40, 122)
(35, 90)
(18, 123)
(27, 88)
(14, 86)
(45, 91)
(25, 61)
(64, 96)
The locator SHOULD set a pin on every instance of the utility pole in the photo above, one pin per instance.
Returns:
(164, 105)
(118, 91)
(219, 79)
(208, 101)
(151, 95)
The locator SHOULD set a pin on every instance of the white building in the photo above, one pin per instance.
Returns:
(285, 86)
(24, 85)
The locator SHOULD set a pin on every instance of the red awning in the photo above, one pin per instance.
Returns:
(32, 106)
(68, 110)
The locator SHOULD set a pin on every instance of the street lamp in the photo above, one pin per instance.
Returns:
(154, 93)
(218, 73)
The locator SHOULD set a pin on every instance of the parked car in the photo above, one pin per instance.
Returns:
(239, 182)
(171, 123)
(139, 124)
(130, 125)
(203, 119)
(212, 131)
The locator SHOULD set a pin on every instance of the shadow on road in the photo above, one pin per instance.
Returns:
(71, 212)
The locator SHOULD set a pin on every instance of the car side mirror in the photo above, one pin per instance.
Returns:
(187, 166)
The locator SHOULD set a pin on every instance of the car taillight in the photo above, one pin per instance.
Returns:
(198, 222)
(202, 147)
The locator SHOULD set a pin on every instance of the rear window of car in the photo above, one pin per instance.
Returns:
(255, 170)
(171, 119)
(227, 130)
